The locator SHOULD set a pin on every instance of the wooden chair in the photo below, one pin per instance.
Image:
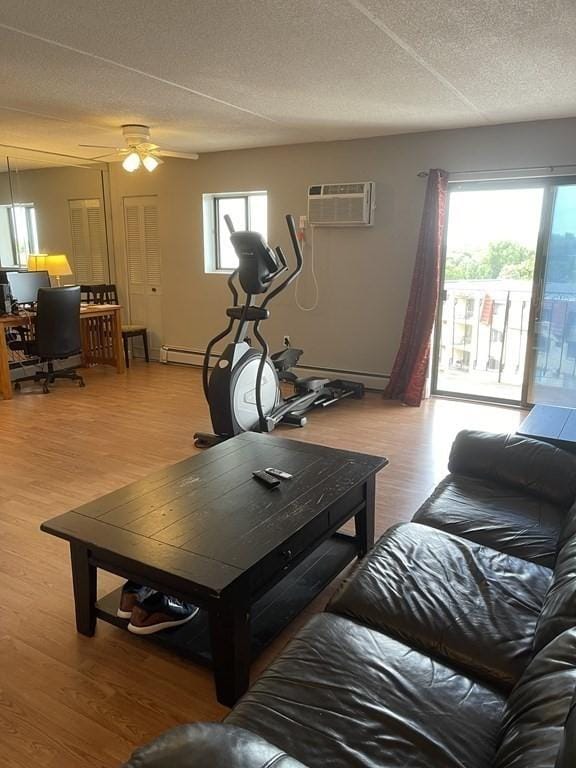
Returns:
(107, 294)
(94, 294)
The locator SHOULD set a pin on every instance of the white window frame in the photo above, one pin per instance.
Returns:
(210, 203)
(20, 255)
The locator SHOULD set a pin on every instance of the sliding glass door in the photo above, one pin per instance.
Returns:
(552, 358)
(483, 325)
(506, 328)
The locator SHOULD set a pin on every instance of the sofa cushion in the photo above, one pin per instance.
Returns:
(468, 604)
(210, 744)
(497, 516)
(535, 467)
(345, 696)
(533, 729)
(559, 608)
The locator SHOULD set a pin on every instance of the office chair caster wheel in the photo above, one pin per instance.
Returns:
(81, 383)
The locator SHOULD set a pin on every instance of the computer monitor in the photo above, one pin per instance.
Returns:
(24, 285)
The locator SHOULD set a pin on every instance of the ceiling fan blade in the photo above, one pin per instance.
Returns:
(181, 155)
(98, 146)
(109, 154)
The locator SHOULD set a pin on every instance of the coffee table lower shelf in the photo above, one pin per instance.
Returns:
(270, 613)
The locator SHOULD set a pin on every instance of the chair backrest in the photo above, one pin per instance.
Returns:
(103, 293)
(58, 322)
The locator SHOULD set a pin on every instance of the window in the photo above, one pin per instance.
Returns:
(248, 211)
(18, 234)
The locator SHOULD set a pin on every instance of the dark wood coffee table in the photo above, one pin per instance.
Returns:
(205, 531)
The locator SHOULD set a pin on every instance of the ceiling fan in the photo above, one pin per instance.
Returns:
(139, 150)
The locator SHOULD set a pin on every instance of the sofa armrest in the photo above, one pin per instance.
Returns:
(567, 754)
(538, 468)
(210, 744)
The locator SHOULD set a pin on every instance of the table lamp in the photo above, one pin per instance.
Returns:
(56, 264)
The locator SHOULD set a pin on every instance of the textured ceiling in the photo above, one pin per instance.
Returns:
(220, 74)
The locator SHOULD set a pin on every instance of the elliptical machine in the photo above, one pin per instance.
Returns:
(243, 392)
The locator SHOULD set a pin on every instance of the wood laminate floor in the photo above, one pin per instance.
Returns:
(68, 701)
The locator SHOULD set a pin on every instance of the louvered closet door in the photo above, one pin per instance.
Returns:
(88, 235)
(144, 267)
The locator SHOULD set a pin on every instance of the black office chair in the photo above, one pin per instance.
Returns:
(57, 334)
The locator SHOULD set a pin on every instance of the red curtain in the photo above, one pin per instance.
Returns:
(408, 377)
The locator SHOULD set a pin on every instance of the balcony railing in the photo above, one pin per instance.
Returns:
(486, 355)
(491, 351)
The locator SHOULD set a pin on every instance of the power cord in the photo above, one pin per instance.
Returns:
(314, 278)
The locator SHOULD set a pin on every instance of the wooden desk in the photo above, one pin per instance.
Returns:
(101, 331)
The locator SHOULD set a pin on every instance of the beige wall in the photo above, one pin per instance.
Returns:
(364, 274)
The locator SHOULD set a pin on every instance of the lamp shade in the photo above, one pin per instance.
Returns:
(37, 262)
(56, 264)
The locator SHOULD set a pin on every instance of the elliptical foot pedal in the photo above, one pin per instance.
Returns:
(354, 388)
(294, 420)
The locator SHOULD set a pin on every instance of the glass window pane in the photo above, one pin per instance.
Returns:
(554, 367)
(26, 235)
(6, 250)
(235, 207)
(33, 229)
(490, 253)
(258, 211)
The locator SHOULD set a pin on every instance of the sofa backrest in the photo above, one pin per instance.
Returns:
(533, 731)
(538, 468)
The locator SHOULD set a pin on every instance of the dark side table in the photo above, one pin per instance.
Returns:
(552, 424)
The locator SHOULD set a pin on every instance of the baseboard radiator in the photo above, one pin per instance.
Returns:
(195, 357)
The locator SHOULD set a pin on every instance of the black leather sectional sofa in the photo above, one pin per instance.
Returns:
(452, 645)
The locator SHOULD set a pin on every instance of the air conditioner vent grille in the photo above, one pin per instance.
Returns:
(343, 189)
(341, 210)
(341, 205)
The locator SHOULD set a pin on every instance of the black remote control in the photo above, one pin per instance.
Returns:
(266, 479)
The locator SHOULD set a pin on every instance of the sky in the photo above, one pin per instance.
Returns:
(478, 217)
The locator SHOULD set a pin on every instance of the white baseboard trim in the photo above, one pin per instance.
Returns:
(195, 357)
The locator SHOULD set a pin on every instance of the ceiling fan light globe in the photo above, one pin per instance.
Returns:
(151, 163)
(131, 162)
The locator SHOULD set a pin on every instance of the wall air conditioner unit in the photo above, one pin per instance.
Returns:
(341, 205)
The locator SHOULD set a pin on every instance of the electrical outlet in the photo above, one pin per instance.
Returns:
(302, 222)
(286, 341)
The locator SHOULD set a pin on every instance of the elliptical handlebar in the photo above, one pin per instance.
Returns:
(281, 258)
(232, 287)
(295, 242)
(229, 224)
(299, 261)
